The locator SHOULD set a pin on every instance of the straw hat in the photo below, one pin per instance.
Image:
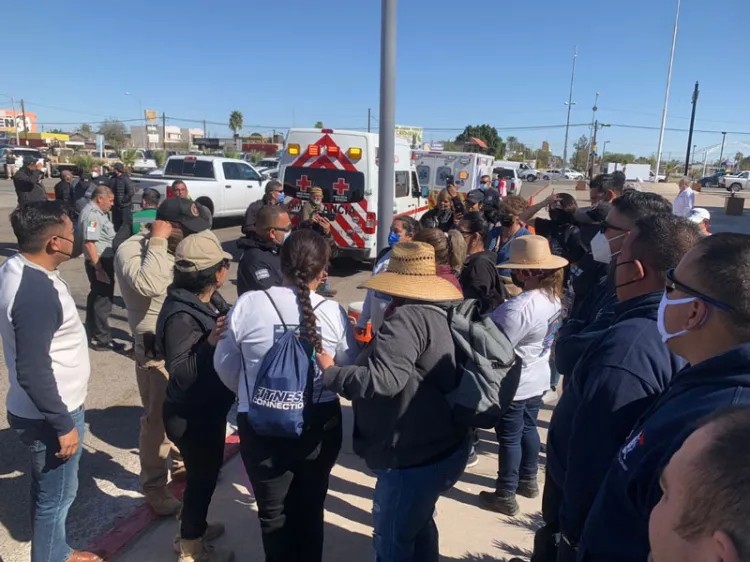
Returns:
(532, 252)
(411, 275)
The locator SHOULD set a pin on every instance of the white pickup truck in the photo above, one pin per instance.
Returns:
(224, 185)
(735, 183)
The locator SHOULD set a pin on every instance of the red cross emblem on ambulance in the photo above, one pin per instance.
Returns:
(303, 183)
(341, 187)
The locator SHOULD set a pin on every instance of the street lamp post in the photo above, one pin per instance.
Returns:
(723, 138)
(387, 131)
(145, 123)
(570, 104)
(666, 96)
(591, 135)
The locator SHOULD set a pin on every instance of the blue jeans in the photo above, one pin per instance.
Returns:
(403, 506)
(518, 438)
(54, 485)
(554, 378)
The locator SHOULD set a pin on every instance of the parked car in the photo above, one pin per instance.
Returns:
(226, 186)
(144, 161)
(512, 179)
(652, 177)
(735, 183)
(712, 180)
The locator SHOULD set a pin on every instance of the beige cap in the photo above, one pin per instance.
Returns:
(199, 251)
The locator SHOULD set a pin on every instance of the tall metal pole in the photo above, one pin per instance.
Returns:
(164, 131)
(666, 96)
(721, 154)
(592, 135)
(570, 106)
(692, 124)
(25, 128)
(369, 119)
(15, 119)
(386, 176)
(705, 161)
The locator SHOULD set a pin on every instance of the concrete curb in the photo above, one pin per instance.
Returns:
(130, 526)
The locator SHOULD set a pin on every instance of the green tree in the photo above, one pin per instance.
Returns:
(85, 130)
(512, 143)
(619, 158)
(580, 153)
(745, 163)
(56, 131)
(319, 124)
(129, 157)
(650, 160)
(115, 133)
(542, 158)
(236, 121)
(160, 157)
(486, 133)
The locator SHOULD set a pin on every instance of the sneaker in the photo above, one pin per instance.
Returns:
(213, 532)
(198, 551)
(111, 345)
(528, 489)
(505, 503)
(473, 459)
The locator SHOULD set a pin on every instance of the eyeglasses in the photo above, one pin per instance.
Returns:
(607, 226)
(285, 229)
(673, 284)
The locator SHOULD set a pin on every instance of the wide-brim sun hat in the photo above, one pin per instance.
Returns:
(532, 252)
(411, 275)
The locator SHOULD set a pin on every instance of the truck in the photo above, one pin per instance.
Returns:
(434, 168)
(525, 172)
(345, 165)
(225, 186)
(735, 183)
(633, 172)
(144, 161)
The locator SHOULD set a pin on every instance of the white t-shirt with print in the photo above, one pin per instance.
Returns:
(530, 321)
(254, 326)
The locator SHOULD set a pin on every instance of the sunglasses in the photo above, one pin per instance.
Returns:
(673, 284)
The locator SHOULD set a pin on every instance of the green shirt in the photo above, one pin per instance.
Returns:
(95, 226)
(147, 216)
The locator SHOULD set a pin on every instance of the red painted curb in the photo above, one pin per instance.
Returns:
(129, 527)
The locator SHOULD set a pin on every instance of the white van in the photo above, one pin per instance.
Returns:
(344, 164)
(434, 168)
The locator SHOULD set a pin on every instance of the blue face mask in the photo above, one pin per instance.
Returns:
(393, 239)
(483, 186)
(286, 236)
(281, 197)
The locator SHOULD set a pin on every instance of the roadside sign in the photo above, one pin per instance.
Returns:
(100, 145)
(437, 146)
(152, 116)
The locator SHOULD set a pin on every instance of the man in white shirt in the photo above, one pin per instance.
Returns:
(46, 353)
(685, 200)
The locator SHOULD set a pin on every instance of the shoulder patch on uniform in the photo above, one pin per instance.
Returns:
(261, 274)
(91, 227)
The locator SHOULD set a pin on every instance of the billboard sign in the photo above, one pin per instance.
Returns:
(10, 120)
(411, 134)
(152, 116)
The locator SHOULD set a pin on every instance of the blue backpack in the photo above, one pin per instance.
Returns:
(284, 385)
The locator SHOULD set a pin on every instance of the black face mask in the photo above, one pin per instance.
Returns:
(559, 216)
(612, 274)
(506, 221)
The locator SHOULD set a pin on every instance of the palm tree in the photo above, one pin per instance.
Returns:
(319, 124)
(236, 122)
(512, 143)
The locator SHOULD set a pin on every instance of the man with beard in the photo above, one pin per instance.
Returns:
(144, 267)
(619, 375)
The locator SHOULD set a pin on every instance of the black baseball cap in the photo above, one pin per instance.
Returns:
(119, 166)
(184, 212)
(475, 197)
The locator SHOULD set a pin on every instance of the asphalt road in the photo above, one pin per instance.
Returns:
(109, 486)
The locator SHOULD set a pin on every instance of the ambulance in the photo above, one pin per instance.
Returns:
(434, 168)
(344, 164)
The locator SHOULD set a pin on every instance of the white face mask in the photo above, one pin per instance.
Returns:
(600, 248)
(665, 302)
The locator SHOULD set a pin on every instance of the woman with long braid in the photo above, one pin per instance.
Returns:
(289, 476)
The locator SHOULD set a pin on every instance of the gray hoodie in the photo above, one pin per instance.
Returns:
(398, 386)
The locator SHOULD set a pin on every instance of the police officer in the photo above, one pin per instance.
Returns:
(122, 211)
(28, 182)
(260, 264)
(98, 234)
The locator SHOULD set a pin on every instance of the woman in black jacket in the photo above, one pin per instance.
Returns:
(479, 277)
(443, 215)
(190, 325)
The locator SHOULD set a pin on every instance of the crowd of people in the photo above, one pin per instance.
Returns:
(631, 300)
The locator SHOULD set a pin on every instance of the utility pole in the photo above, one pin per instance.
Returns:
(25, 131)
(592, 138)
(205, 130)
(369, 118)
(692, 124)
(569, 103)
(593, 144)
(164, 130)
(387, 120)
(721, 155)
(15, 119)
(666, 96)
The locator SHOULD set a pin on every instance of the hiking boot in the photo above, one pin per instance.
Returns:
(504, 503)
(163, 502)
(197, 551)
(213, 531)
(528, 489)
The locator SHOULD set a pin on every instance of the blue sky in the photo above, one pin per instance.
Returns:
(300, 61)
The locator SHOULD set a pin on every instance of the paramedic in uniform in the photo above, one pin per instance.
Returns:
(98, 234)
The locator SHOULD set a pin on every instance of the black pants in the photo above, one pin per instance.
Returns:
(290, 483)
(545, 539)
(202, 447)
(99, 301)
